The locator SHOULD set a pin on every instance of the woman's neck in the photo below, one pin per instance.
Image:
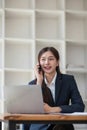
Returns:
(49, 77)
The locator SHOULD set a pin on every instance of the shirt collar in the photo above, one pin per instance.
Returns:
(53, 81)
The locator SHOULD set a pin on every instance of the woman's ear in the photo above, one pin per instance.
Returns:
(57, 64)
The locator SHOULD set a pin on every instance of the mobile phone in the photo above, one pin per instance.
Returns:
(39, 68)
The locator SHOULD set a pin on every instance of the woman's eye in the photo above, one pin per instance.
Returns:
(43, 59)
(51, 59)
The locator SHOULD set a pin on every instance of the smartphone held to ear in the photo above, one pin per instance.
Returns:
(39, 69)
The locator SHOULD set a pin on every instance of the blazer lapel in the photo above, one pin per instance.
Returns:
(58, 87)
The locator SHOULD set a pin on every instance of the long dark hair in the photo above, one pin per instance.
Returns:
(54, 52)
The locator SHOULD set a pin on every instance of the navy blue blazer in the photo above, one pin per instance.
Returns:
(67, 95)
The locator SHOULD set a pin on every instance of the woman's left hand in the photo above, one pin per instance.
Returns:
(49, 109)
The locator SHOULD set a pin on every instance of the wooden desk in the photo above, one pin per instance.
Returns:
(14, 119)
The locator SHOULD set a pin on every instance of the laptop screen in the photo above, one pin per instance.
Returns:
(24, 99)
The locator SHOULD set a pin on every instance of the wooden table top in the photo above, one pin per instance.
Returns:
(42, 117)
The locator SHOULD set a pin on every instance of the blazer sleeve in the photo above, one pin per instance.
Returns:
(33, 82)
(77, 104)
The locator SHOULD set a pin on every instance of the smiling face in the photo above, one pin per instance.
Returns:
(48, 62)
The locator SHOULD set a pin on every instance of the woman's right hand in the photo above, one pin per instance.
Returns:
(38, 74)
(49, 109)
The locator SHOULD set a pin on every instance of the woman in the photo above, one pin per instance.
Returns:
(58, 89)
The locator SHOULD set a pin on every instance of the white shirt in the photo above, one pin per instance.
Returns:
(52, 86)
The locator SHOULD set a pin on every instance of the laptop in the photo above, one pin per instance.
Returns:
(24, 99)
